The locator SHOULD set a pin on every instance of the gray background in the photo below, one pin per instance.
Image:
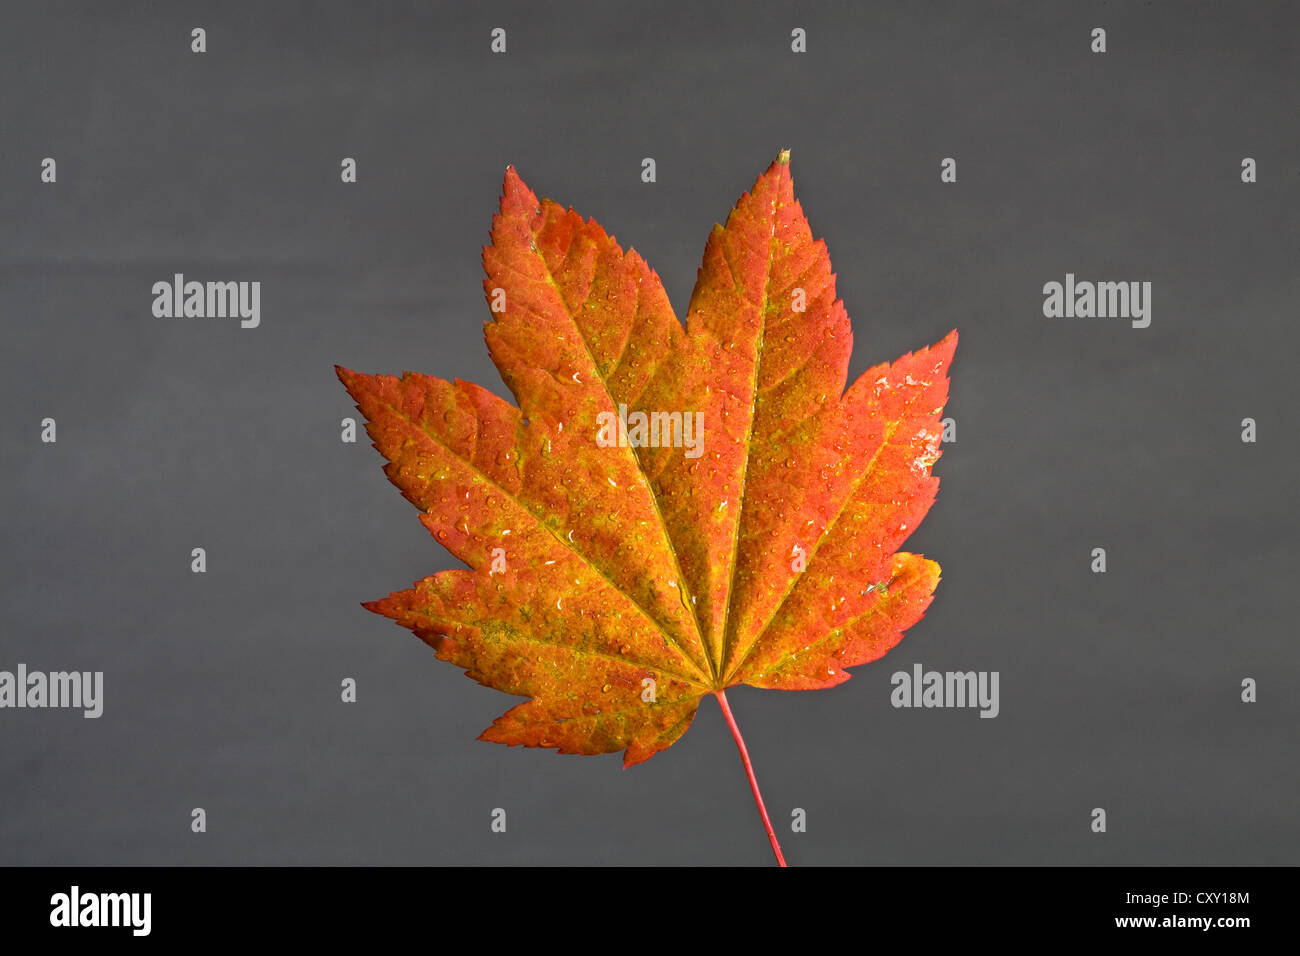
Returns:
(222, 690)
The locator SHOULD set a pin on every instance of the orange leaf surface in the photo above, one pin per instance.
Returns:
(617, 573)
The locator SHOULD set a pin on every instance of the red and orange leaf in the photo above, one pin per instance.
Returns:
(615, 583)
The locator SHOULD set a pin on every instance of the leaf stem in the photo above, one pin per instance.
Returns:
(749, 770)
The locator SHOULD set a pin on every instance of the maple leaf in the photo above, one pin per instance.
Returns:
(614, 583)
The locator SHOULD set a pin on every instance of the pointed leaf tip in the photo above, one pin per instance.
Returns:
(783, 157)
(348, 377)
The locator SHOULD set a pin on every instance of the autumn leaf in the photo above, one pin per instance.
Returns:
(668, 512)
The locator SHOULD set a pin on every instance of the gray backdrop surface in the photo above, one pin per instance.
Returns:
(1118, 690)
